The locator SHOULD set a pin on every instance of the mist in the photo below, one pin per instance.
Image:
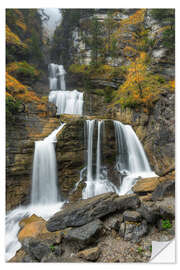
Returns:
(54, 20)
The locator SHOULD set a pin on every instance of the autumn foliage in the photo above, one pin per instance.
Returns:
(141, 87)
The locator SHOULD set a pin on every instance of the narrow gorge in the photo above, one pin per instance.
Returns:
(97, 159)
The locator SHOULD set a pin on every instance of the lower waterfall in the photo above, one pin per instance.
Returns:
(131, 161)
(45, 200)
(96, 183)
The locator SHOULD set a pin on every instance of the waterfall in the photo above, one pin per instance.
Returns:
(131, 161)
(44, 187)
(90, 132)
(56, 77)
(67, 102)
(99, 183)
(45, 200)
(98, 156)
(62, 79)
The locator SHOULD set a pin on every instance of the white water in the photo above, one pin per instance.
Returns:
(56, 77)
(45, 200)
(67, 102)
(99, 183)
(131, 159)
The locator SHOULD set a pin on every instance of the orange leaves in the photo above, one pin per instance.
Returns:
(137, 17)
(14, 86)
(140, 87)
(18, 90)
(13, 39)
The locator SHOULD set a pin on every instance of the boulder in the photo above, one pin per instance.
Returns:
(85, 211)
(149, 211)
(82, 236)
(32, 229)
(29, 220)
(146, 185)
(113, 221)
(91, 254)
(35, 248)
(133, 231)
(166, 188)
(37, 229)
(132, 216)
(166, 208)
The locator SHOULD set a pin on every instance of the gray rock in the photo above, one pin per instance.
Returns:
(35, 248)
(85, 211)
(82, 236)
(166, 188)
(166, 207)
(132, 231)
(50, 258)
(149, 211)
(132, 216)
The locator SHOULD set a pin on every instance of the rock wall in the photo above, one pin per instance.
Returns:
(155, 130)
(28, 127)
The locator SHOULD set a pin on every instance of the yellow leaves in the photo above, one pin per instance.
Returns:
(140, 87)
(18, 90)
(14, 86)
(172, 84)
(13, 39)
(137, 17)
(21, 25)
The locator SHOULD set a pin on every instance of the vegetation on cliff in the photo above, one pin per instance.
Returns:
(121, 46)
(23, 56)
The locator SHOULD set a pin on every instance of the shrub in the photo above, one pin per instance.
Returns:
(23, 72)
(12, 107)
(166, 224)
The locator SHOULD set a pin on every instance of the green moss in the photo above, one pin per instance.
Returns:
(166, 224)
(23, 71)
(12, 107)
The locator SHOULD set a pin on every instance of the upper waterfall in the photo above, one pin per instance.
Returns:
(67, 102)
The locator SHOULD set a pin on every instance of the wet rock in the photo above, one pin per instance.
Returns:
(132, 216)
(166, 188)
(83, 236)
(146, 185)
(85, 211)
(91, 254)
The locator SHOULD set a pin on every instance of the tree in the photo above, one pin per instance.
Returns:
(95, 40)
(141, 87)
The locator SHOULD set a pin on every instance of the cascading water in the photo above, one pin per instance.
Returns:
(132, 162)
(44, 180)
(67, 102)
(99, 183)
(45, 200)
(56, 77)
